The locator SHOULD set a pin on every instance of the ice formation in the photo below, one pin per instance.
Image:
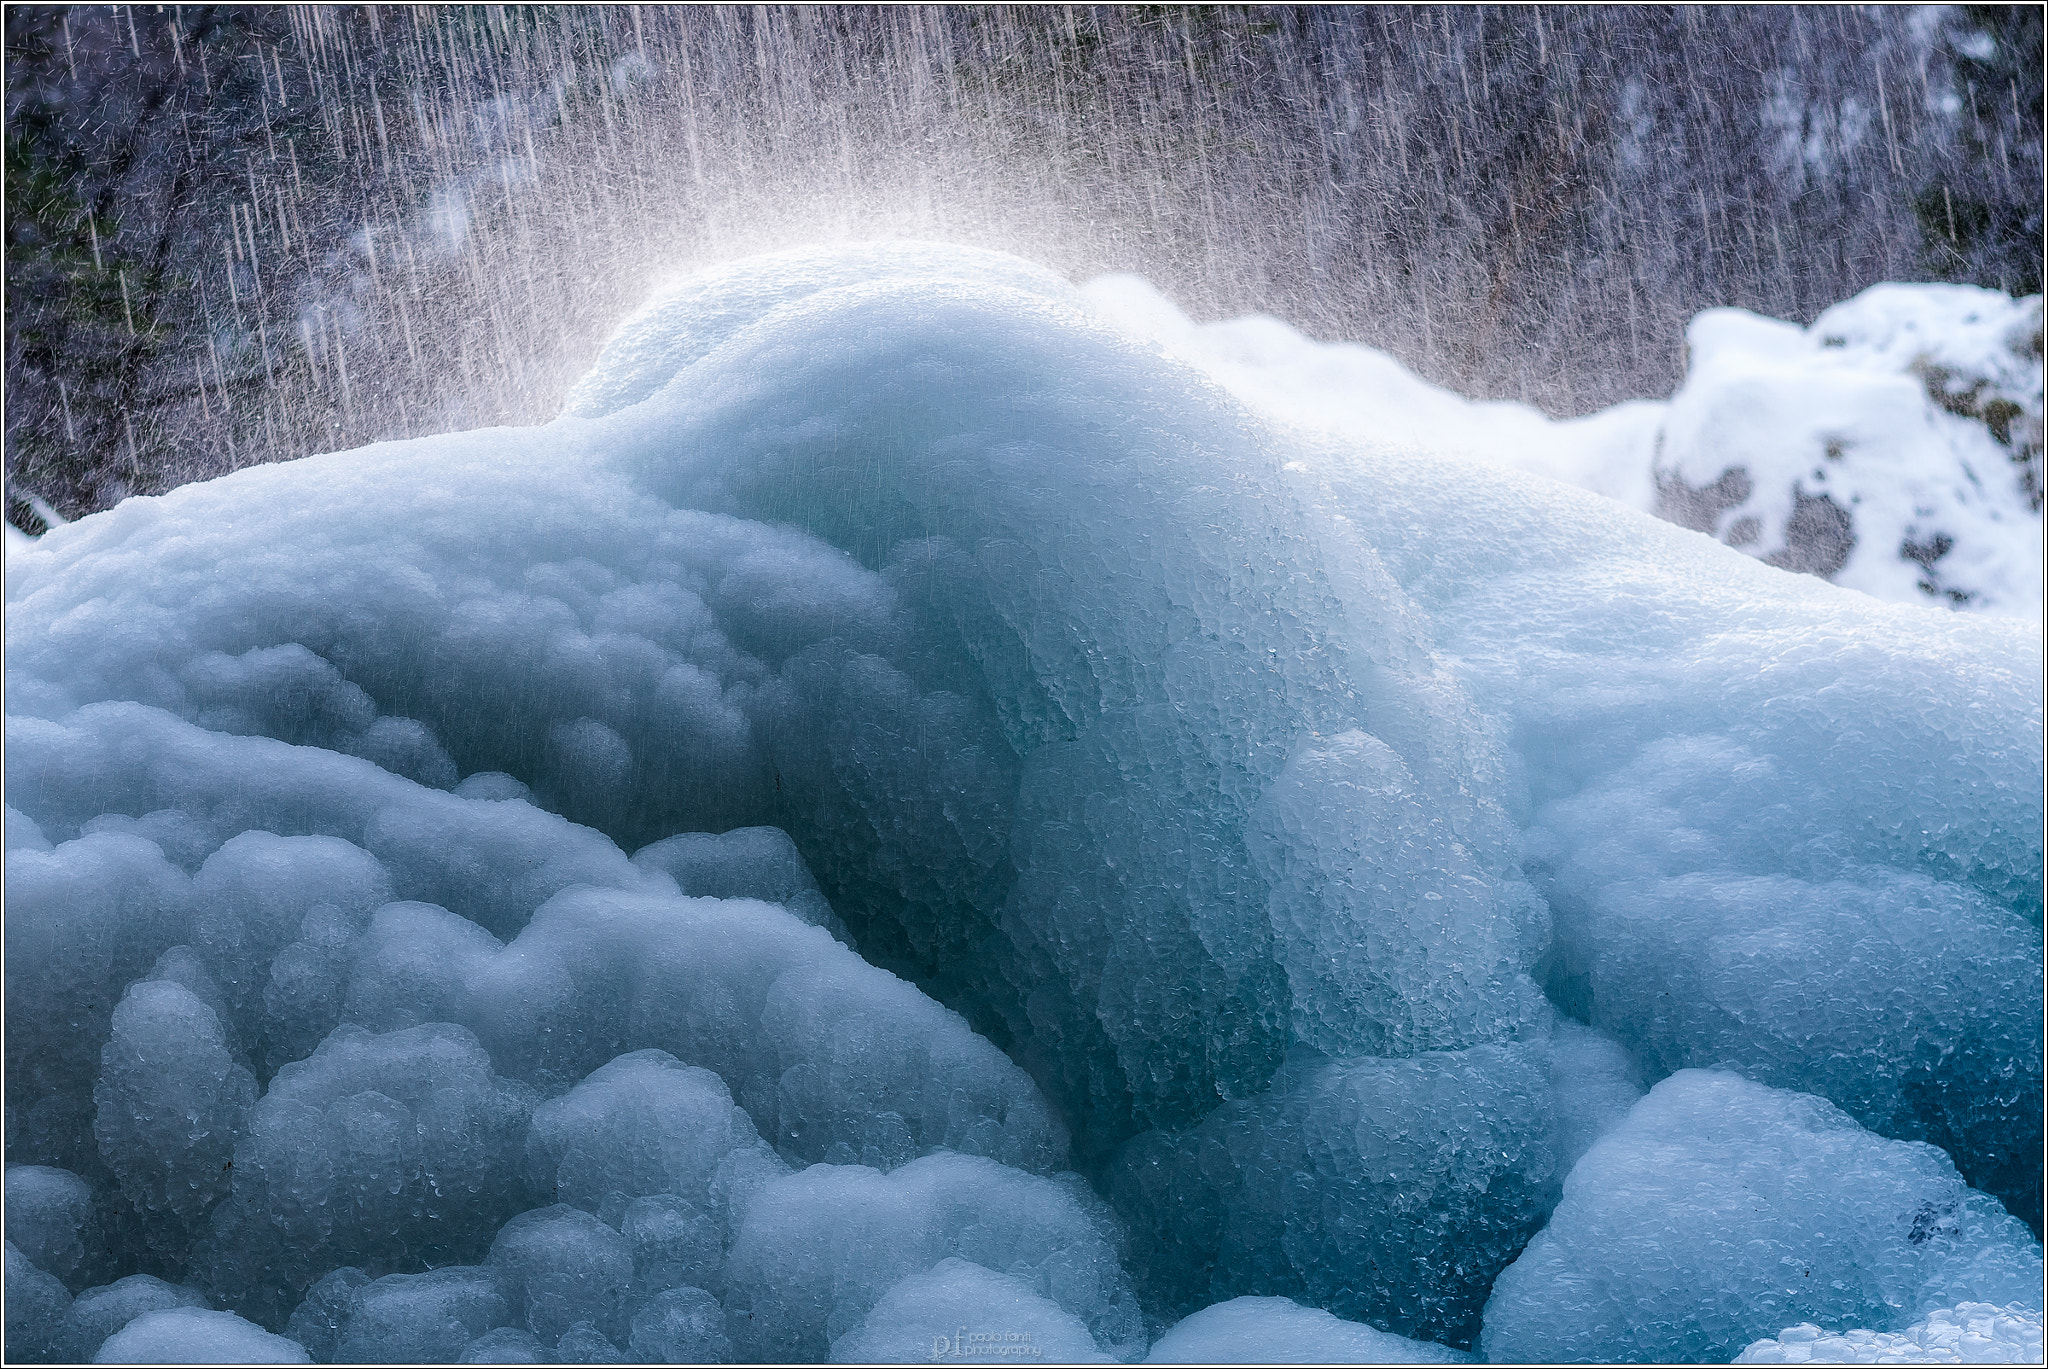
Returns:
(193, 1335)
(927, 1317)
(1893, 446)
(1974, 1333)
(911, 813)
(1719, 1205)
(98, 1312)
(1282, 1331)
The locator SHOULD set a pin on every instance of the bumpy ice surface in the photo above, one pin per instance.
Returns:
(1719, 1200)
(1282, 1331)
(907, 798)
(1974, 1333)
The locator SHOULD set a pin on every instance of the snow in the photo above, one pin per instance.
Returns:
(910, 797)
(1894, 446)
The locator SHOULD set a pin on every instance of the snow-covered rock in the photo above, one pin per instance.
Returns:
(1894, 446)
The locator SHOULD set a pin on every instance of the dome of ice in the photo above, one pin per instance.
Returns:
(907, 799)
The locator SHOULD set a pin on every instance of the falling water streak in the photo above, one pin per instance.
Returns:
(496, 189)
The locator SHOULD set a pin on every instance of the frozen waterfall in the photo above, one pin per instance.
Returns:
(912, 812)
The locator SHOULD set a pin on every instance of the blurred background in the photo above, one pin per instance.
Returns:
(245, 233)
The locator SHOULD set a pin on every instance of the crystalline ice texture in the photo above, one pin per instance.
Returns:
(1776, 1202)
(1031, 758)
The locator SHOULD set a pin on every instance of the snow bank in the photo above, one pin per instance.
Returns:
(1893, 447)
(1095, 853)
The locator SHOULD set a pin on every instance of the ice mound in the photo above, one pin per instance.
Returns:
(944, 1316)
(98, 1313)
(1911, 1003)
(54, 1222)
(747, 862)
(1094, 853)
(418, 1318)
(1379, 920)
(567, 1269)
(689, 318)
(642, 1125)
(1893, 446)
(1281, 1331)
(91, 921)
(193, 1335)
(1364, 393)
(682, 1325)
(169, 1109)
(36, 1305)
(820, 1250)
(1776, 1204)
(1431, 1173)
(558, 1285)
(1974, 1333)
(834, 1059)
(375, 1150)
(1747, 748)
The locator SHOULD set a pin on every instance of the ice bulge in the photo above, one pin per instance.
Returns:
(906, 797)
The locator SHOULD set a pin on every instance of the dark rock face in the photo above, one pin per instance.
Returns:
(1818, 536)
(1700, 507)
